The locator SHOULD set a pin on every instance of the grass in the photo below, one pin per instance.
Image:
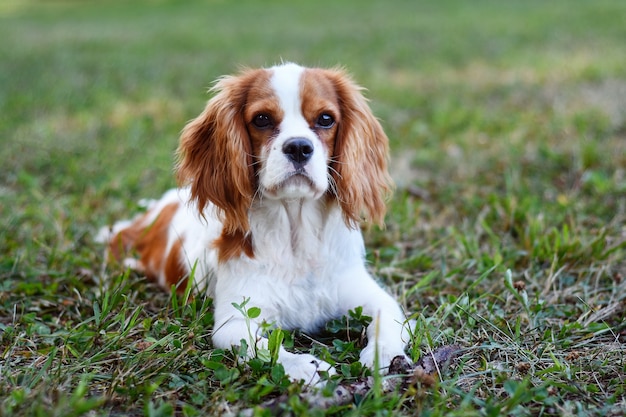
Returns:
(506, 234)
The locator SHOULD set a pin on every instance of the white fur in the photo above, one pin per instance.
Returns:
(308, 266)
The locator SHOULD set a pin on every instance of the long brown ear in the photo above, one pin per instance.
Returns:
(215, 155)
(360, 157)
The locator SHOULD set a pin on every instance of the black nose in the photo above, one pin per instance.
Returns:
(298, 150)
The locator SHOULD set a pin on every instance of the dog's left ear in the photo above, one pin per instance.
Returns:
(214, 155)
(359, 162)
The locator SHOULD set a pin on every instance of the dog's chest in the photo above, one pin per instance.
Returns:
(302, 255)
(306, 299)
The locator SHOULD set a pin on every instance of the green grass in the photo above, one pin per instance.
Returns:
(506, 235)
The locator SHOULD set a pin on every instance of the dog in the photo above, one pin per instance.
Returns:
(276, 175)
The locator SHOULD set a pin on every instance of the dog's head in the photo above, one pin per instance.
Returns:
(286, 133)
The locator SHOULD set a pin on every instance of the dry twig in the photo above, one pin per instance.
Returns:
(402, 375)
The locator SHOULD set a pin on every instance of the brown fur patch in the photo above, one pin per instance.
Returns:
(121, 245)
(148, 242)
(232, 245)
(319, 97)
(174, 271)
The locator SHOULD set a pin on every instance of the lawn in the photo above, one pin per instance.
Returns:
(506, 234)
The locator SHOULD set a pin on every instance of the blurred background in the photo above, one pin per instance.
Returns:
(94, 94)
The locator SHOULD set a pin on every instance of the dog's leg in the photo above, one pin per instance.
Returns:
(388, 334)
(299, 366)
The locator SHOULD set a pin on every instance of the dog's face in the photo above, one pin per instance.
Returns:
(286, 133)
(292, 121)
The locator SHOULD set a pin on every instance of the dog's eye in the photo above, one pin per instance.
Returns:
(262, 121)
(325, 121)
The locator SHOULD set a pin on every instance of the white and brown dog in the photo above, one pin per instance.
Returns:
(278, 170)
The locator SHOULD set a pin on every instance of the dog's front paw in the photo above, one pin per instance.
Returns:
(385, 355)
(307, 368)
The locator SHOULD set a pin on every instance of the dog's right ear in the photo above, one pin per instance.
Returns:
(360, 156)
(215, 154)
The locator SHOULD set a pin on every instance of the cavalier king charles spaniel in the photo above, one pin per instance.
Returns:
(277, 172)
